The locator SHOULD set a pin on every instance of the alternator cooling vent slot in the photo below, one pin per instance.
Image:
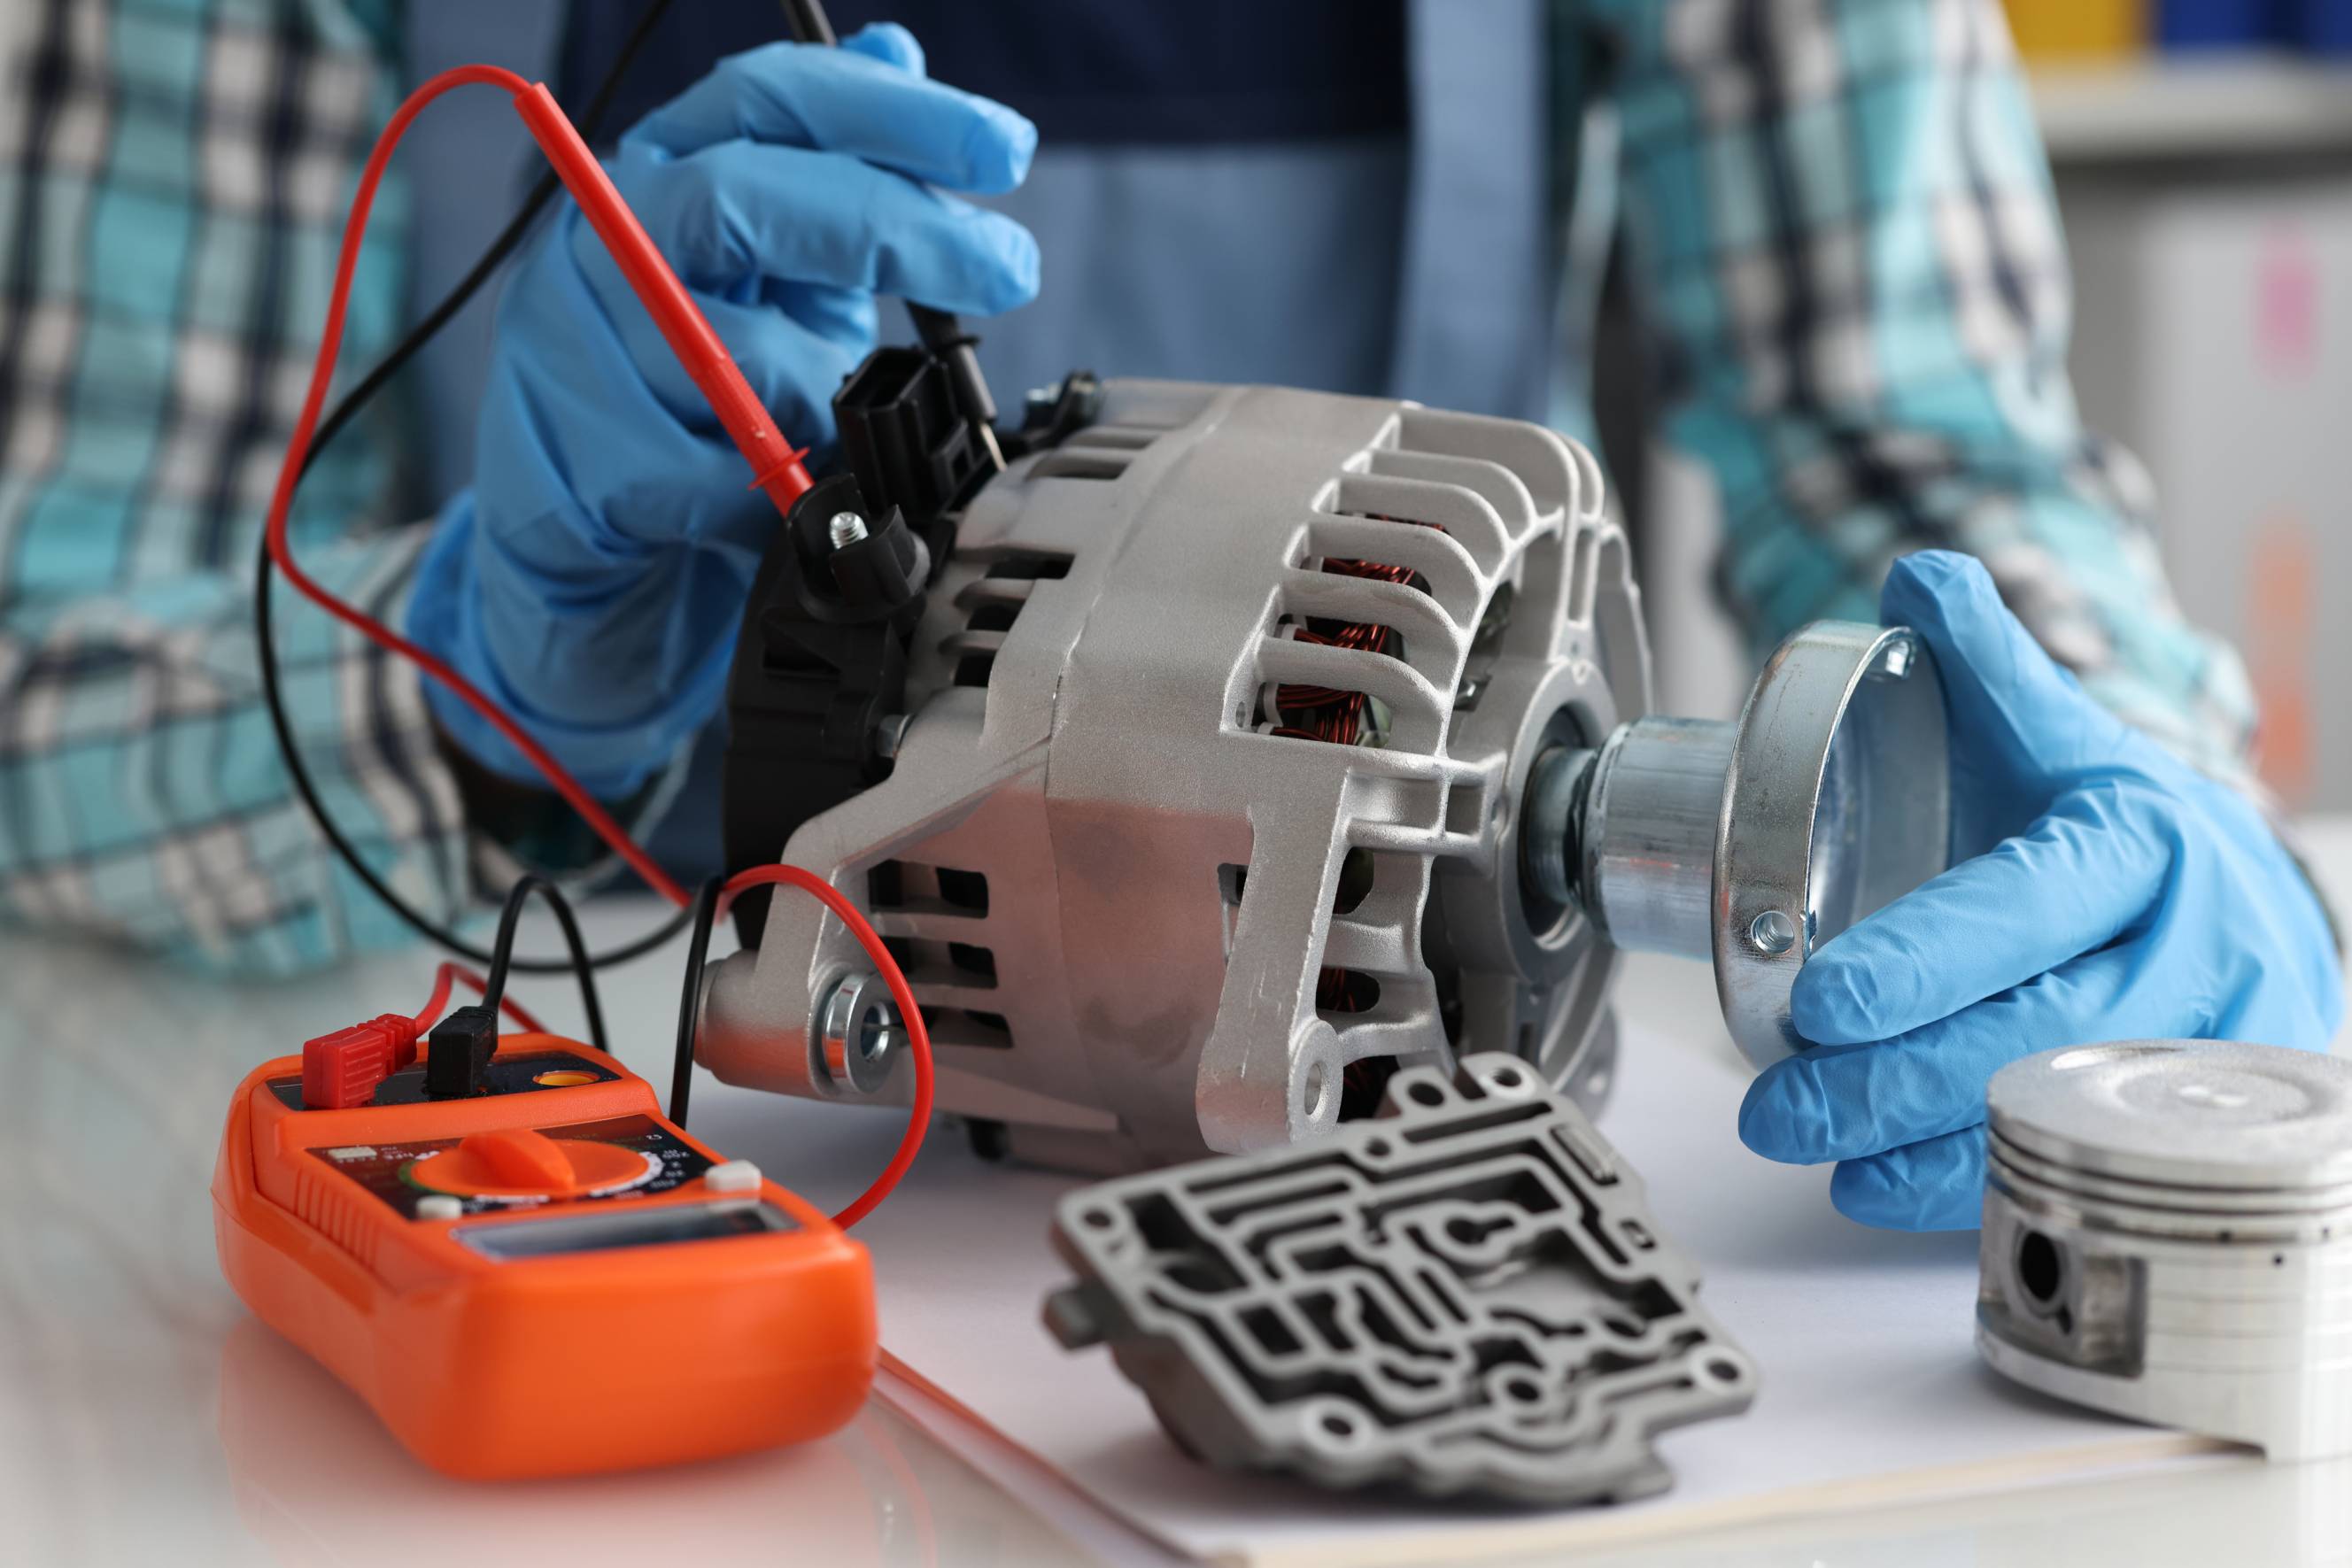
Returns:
(1067, 463)
(932, 919)
(1098, 451)
(1373, 567)
(971, 1026)
(904, 886)
(1355, 609)
(1345, 992)
(991, 603)
(1033, 565)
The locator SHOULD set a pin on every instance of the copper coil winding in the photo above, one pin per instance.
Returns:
(1334, 715)
(1325, 713)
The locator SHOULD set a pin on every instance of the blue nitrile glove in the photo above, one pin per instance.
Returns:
(592, 579)
(2103, 890)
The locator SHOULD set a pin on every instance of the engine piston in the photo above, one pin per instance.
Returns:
(2167, 1236)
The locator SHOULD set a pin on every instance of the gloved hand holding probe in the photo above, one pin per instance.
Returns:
(592, 579)
(2113, 893)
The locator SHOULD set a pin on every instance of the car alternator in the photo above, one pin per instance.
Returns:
(1248, 743)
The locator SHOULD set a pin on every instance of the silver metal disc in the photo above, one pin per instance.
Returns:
(1838, 802)
(2195, 1113)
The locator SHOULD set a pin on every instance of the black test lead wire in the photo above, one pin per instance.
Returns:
(502, 952)
(272, 695)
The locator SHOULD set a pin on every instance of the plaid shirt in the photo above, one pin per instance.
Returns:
(1842, 220)
(173, 178)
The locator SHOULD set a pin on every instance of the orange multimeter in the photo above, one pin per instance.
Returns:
(538, 1274)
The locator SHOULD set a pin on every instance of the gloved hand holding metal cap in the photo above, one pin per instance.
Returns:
(2103, 889)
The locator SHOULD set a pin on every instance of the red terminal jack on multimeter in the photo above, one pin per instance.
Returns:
(504, 1246)
(523, 1267)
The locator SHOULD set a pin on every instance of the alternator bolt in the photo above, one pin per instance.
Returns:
(846, 529)
(1772, 933)
(859, 1033)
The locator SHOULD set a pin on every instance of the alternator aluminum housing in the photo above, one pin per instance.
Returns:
(1119, 894)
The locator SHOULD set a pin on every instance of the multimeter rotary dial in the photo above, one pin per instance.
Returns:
(521, 1165)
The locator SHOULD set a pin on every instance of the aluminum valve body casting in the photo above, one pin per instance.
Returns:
(2167, 1236)
(1465, 1295)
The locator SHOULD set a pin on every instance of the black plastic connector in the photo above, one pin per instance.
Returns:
(1052, 417)
(904, 436)
(458, 1052)
(958, 352)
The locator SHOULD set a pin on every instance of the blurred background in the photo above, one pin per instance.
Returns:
(2203, 155)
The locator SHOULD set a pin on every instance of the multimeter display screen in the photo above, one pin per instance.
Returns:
(622, 1227)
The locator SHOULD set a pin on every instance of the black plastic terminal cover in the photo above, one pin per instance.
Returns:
(458, 1052)
(821, 659)
(1052, 414)
(903, 435)
(821, 662)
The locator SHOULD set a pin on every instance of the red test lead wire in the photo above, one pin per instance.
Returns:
(281, 500)
(919, 1036)
(683, 326)
(776, 465)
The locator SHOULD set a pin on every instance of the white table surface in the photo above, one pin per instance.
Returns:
(144, 1416)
